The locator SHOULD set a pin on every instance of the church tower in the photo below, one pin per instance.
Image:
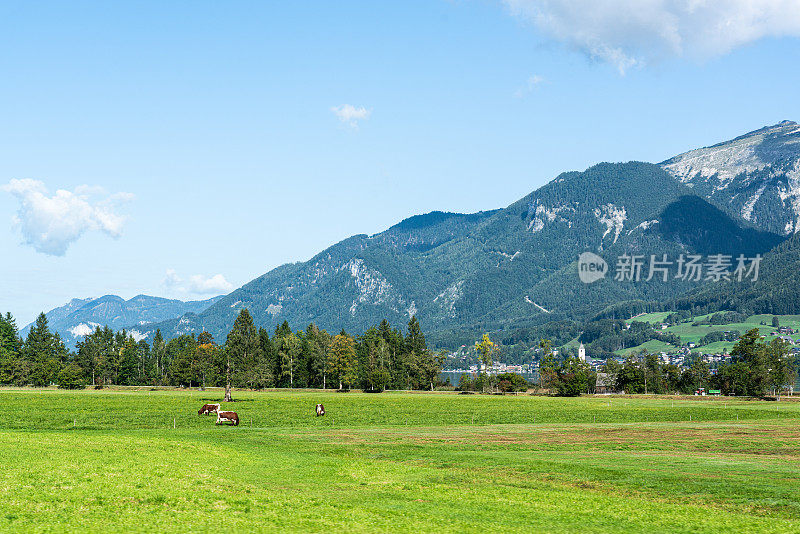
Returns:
(582, 353)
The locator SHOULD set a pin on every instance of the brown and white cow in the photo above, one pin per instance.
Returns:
(227, 417)
(320, 410)
(208, 409)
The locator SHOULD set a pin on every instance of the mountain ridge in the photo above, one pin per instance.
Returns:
(79, 317)
(755, 176)
(495, 269)
(516, 266)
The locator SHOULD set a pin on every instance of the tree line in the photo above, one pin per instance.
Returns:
(250, 357)
(757, 368)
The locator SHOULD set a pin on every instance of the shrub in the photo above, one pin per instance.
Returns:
(510, 382)
(505, 386)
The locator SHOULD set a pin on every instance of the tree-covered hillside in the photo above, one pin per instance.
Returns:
(499, 270)
(777, 290)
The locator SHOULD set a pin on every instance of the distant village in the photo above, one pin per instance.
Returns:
(681, 357)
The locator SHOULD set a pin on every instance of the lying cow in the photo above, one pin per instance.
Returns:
(320, 410)
(227, 417)
(208, 409)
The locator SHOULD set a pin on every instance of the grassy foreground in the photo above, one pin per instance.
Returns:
(112, 461)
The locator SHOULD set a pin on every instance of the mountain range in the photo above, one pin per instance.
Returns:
(516, 267)
(80, 317)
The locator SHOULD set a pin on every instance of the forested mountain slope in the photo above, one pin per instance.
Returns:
(489, 270)
(777, 290)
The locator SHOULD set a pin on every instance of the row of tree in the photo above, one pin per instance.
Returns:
(380, 358)
(757, 368)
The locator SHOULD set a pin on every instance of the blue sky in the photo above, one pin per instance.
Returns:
(208, 137)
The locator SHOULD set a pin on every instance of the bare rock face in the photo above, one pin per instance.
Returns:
(755, 176)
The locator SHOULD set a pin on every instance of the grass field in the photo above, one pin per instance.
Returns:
(653, 346)
(111, 461)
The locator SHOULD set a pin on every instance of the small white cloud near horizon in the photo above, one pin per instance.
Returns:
(531, 83)
(635, 33)
(51, 223)
(351, 115)
(197, 284)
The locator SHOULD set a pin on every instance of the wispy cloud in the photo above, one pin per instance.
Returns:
(633, 33)
(197, 284)
(51, 223)
(531, 83)
(351, 115)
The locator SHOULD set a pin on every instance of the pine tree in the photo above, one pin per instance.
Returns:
(242, 348)
(159, 353)
(415, 339)
(11, 367)
(45, 352)
(269, 355)
(129, 361)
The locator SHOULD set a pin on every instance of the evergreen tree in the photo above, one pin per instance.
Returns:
(12, 368)
(159, 356)
(146, 368)
(242, 351)
(415, 339)
(129, 363)
(269, 355)
(45, 352)
(377, 372)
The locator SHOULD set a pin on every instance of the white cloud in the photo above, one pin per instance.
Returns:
(51, 223)
(629, 33)
(350, 115)
(532, 83)
(171, 279)
(83, 329)
(197, 284)
(205, 285)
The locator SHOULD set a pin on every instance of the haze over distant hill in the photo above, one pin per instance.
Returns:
(80, 317)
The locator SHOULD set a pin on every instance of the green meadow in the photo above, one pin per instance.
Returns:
(693, 334)
(139, 460)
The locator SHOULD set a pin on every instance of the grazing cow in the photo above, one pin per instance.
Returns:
(320, 410)
(208, 409)
(228, 417)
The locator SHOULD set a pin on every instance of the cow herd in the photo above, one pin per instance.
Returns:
(224, 416)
